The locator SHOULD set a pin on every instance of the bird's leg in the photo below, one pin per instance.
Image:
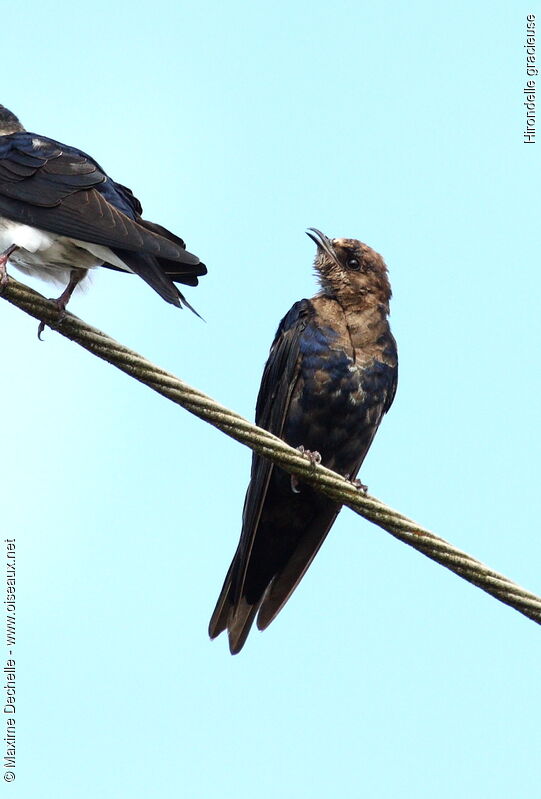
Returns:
(76, 276)
(359, 486)
(314, 458)
(4, 258)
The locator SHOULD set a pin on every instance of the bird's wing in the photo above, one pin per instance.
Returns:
(57, 188)
(278, 382)
(379, 384)
(277, 385)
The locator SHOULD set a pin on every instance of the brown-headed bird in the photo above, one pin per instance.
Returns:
(330, 377)
(61, 215)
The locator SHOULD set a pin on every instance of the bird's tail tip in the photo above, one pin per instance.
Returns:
(184, 302)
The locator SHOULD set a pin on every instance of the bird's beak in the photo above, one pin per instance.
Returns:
(322, 242)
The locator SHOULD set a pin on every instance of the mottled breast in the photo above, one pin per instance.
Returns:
(341, 393)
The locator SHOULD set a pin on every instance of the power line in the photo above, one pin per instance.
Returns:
(268, 445)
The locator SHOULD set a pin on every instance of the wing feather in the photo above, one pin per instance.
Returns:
(62, 190)
(382, 379)
(279, 378)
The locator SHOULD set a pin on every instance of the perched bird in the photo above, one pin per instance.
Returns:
(330, 377)
(61, 215)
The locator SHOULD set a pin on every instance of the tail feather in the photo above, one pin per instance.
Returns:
(285, 582)
(218, 620)
(240, 624)
(235, 617)
(150, 269)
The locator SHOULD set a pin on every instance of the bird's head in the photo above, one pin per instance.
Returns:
(348, 269)
(8, 122)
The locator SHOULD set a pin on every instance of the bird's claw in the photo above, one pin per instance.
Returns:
(61, 315)
(359, 486)
(314, 458)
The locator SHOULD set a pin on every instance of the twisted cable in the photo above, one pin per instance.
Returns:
(276, 450)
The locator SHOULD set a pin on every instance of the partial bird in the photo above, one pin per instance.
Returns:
(61, 215)
(330, 377)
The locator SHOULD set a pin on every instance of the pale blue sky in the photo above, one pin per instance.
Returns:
(238, 125)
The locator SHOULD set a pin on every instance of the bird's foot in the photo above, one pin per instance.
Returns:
(61, 314)
(314, 458)
(4, 258)
(359, 486)
(76, 276)
(3, 277)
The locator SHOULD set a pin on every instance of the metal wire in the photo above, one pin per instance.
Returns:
(268, 445)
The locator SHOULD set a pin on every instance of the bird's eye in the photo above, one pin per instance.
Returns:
(353, 263)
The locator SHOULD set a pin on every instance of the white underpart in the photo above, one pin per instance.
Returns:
(49, 256)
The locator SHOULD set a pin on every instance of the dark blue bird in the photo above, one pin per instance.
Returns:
(330, 377)
(61, 215)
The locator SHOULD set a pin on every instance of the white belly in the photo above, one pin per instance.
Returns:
(49, 256)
